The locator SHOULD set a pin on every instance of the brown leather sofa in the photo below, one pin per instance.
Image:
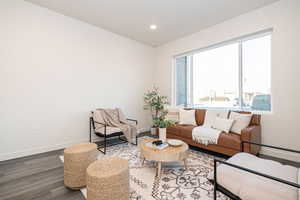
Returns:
(228, 143)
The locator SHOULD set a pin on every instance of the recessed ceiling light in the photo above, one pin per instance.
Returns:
(153, 27)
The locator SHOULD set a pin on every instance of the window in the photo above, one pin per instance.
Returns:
(181, 83)
(234, 75)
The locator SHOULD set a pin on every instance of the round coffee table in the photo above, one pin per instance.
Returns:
(169, 154)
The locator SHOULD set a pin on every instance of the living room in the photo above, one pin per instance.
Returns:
(62, 59)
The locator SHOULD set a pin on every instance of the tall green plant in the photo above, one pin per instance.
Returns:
(156, 103)
(165, 123)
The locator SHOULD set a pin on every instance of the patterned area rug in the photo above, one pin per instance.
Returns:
(174, 183)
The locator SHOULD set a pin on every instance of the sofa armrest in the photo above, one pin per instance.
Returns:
(251, 134)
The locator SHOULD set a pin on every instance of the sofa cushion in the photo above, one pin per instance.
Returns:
(241, 121)
(200, 115)
(227, 140)
(173, 114)
(230, 140)
(187, 117)
(255, 120)
(211, 115)
(174, 130)
(222, 124)
(181, 131)
(186, 131)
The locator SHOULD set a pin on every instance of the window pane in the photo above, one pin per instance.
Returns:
(256, 74)
(216, 77)
(181, 81)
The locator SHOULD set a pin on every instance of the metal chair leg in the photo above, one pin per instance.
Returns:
(90, 130)
(136, 140)
(105, 144)
(215, 180)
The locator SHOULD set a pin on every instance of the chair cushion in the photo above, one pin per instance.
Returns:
(109, 130)
(230, 140)
(249, 186)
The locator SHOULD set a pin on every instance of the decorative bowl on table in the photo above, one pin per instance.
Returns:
(174, 142)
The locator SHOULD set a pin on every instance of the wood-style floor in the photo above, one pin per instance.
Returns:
(40, 177)
(37, 177)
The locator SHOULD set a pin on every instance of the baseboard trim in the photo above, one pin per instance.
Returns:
(43, 149)
(38, 150)
(143, 130)
(281, 154)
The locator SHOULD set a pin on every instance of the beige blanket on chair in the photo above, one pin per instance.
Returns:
(115, 118)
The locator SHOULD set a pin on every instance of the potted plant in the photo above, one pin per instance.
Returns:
(155, 103)
(163, 124)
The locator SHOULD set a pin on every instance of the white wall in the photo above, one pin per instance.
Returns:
(281, 128)
(54, 70)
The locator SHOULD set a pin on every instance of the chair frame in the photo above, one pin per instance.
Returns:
(220, 188)
(106, 137)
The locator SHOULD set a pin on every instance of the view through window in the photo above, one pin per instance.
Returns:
(234, 76)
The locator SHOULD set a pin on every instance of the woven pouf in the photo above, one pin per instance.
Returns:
(108, 179)
(76, 160)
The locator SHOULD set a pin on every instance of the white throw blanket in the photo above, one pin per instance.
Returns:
(206, 135)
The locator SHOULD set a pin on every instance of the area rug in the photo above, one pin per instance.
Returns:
(174, 182)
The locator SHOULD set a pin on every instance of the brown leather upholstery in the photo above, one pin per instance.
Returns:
(200, 115)
(230, 140)
(185, 131)
(174, 130)
(181, 131)
(228, 143)
(251, 134)
(215, 148)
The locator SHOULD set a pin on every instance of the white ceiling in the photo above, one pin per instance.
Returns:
(174, 18)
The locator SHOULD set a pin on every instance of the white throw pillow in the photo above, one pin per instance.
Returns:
(187, 117)
(173, 114)
(222, 124)
(241, 121)
(211, 115)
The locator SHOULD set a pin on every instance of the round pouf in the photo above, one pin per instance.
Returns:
(108, 179)
(76, 160)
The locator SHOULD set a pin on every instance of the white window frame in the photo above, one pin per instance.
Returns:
(240, 41)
